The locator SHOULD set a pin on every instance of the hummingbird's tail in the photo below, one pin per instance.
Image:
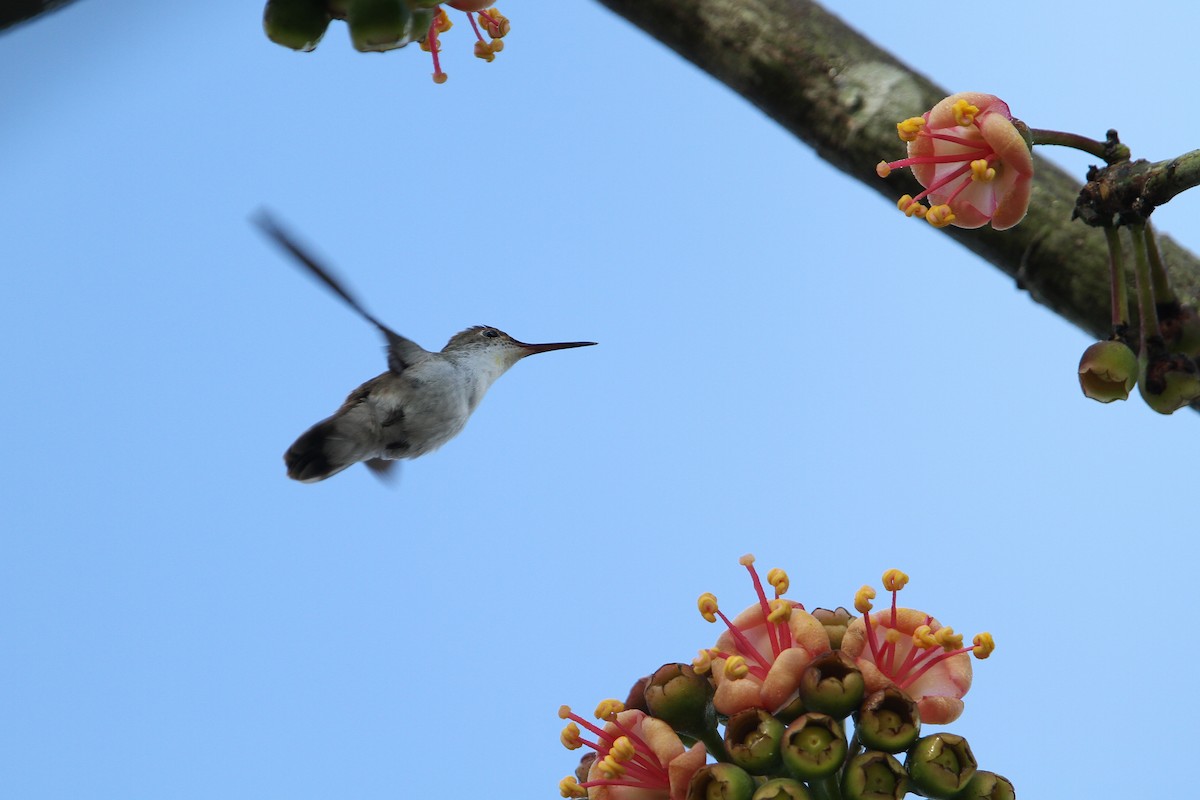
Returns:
(319, 453)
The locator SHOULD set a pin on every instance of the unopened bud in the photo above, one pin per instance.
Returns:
(720, 782)
(298, 24)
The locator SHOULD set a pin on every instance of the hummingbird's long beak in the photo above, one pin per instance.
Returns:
(531, 349)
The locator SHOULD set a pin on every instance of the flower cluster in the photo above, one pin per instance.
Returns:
(381, 25)
(973, 159)
(784, 683)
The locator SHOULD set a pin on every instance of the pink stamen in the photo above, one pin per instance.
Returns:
(765, 607)
(871, 640)
(958, 173)
(950, 159)
(475, 27)
(946, 137)
(929, 665)
(433, 45)
(744, 644)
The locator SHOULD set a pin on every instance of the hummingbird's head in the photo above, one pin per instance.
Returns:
(493, 341)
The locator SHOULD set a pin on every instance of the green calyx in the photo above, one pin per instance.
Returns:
(888, 721)
(941, 765)
(298, 24)
(682, 699)
(752, 740)
(832, 685)
(874, 775)
(380, 25)
(721, 782)
(814, 746)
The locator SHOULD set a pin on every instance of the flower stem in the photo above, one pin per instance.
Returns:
(1145, 286)
(715, 745)
(1163, 293)
(1111, 149)
(825, 788)
(1116, 265)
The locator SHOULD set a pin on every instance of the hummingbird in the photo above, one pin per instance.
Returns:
(421, 402)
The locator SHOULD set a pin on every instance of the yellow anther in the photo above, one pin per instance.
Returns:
(882, 169)
(964, 113)
(981, 170)
(440, 77)
(781, 610)
(735, 668)
(495, 23)
(948, 639)
(707, 603)
(570, 737)
(892, 635)
(894, 580)
(940, 216)
(564, 712)
(610, 768)
(484, 52)
(441, 22)
(569, 787)
(609, 709)
(863, 598)
(622, 749)
(910, 128)
(910, 207)
(746, 560)
(923, 637)
(779, 579)
(496, 44)
(984, 644)
(703, 662)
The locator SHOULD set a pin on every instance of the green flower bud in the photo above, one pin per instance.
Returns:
(720, 782)
(835, 623)
(832, 685)
(888, 721)
(874, 776)
(298, 24)
(681, 698)
(782, 789)
(1108, 371)
(986, 785)
(752, 738)
(814, 746)
(379, 25)
(1168, 382)
(940, 765)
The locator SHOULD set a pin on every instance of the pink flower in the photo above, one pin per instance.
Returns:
(971, 158)
(638, 757)
(912, 651)
(759, 660)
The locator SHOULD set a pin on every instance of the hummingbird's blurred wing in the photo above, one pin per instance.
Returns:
(384, 469)
(402, 352)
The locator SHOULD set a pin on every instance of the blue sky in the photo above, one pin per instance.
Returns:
(786, 366)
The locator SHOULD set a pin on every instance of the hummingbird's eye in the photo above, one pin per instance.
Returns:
(491, 333)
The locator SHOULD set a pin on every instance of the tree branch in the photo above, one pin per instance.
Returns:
(14, 11)
(842, 95)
